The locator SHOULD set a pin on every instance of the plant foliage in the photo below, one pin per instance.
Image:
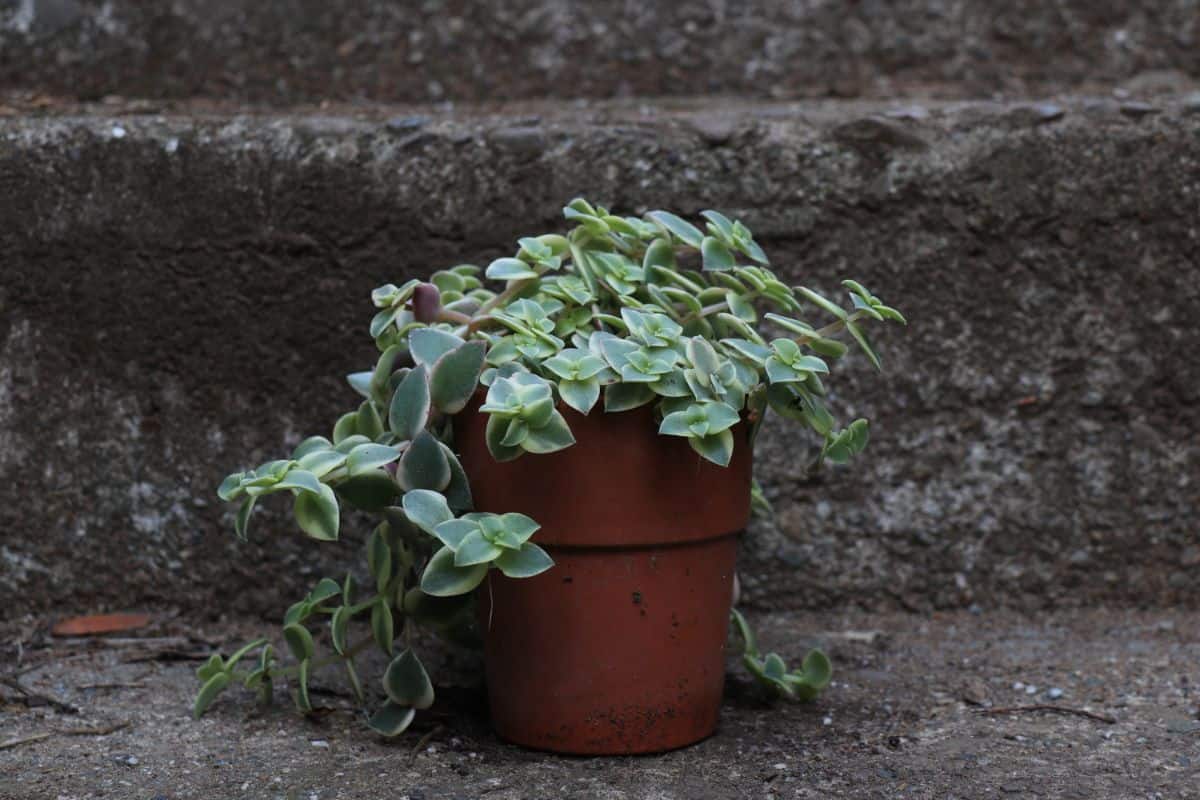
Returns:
(620, 312)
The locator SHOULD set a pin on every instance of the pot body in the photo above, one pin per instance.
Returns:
(620, 648)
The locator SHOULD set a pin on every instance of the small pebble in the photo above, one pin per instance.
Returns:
(827, 721)
(118, 132)
(1054, 693)
(1018, 686)
(1031, 689)
(319, 743)
(132, 761)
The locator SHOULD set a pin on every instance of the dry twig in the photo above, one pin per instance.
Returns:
(1079, 712)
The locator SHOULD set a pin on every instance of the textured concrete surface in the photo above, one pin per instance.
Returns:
(182, 294)
(288, 51)
(916, 711)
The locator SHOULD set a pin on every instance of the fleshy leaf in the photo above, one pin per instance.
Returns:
(299, 641)
(369, 457)
(426, 509)
(391, 719)
(530, 560)
(407, 683)
(455, 376)
(409, 409)
(443, 579)
(474, 549)
(424, 465)
(208, 693)
(429, 344)
(317, 514)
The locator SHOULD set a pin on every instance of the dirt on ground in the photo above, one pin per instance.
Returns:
(1084, 704)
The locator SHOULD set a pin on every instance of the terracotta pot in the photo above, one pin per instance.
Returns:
(620, 648)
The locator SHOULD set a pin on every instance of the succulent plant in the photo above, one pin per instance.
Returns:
(619, 313)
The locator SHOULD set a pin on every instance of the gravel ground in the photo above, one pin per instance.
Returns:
(918, 709)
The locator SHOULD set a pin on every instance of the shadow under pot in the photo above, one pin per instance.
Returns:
(620, 647)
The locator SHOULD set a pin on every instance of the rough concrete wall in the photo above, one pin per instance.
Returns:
(180, 297)
(288, 51)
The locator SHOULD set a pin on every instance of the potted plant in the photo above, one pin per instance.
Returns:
(560, 467)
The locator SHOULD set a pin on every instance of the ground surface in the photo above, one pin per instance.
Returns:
(906, 717)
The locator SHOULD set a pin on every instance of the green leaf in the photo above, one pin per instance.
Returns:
(242, 520)
(371, 491)
(509, 269)
(317, 514)
(429, 344)
(424, 464)
(716, 255)
(370, 457)
(660, 253)
(381, 625)
(580, 395)
(350, 442)
(816, 670)
(360, 382)
(626, 396)
(720, 225)
(302, 701)
(455, 377)
(299, 641)
(745, 631)
(443, 579)
(830, 348)
(742, 308)
(751, 350)
(391, 719)
(453, 531)
(887, 312)
(458, 491)
(682, 229)
(231, 487)
(211, 667)
(369, 423)
(774, 666)
(779, 372)
(553, 436)
(322, 462)
(379, 558)
(530, 560)
(338, 628)
(325, 589)
(864, 343)
(821, 301)
(519, 525)
(313, 444)
(702, 355)
(474, 549)
(407, 683)
(495, 434)
(208, 693)
(863, 307)
(409, 409)
(346, 426)
(717, 447)
(426, 509)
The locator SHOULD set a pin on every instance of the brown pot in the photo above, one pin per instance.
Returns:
(620, 648)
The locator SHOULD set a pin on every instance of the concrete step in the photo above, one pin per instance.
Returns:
(182, 293)
(377, 50)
